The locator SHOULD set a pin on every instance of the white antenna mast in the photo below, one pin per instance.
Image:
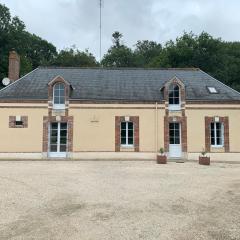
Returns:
(100, 42)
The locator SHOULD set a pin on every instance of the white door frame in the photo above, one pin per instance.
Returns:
(58, 153)
(175, 150)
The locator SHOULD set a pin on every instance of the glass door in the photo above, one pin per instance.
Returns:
(175, 148)
(58, 139)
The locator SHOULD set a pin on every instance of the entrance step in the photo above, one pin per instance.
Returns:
(177, 160)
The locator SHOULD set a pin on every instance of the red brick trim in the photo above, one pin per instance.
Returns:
(183, 121)
(47, 120)
(118, 120)
(225, 121)
(12, 122)
(181, 88)
(51, 85)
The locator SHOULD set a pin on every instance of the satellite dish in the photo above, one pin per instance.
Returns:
(6, 81)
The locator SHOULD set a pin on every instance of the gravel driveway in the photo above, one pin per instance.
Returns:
(119, 200)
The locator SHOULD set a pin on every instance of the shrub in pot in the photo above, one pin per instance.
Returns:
(204, 159)
(161, 157)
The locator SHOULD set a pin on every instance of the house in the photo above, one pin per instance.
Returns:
(101, 113)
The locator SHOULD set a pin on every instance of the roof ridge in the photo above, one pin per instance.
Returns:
(120, 68)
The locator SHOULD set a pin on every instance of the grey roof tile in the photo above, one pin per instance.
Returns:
(118, 84)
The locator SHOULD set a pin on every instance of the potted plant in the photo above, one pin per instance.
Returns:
(161, 157)
(204, 159)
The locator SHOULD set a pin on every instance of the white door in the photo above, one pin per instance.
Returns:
(175, 147)
(58, 139)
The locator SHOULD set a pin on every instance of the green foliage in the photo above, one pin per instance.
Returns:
(33, 50)
(162, 151)
(213, 55)
(74, 58)
(118, 55)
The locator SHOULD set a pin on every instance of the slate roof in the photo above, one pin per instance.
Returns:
(123, 84)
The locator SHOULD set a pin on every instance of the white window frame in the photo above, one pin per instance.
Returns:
(126, 145)
(174, 107)
(56, 105)
(215, 135)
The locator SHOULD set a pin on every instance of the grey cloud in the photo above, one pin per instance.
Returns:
(68, 22)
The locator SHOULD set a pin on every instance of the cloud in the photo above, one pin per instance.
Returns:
(76, 22)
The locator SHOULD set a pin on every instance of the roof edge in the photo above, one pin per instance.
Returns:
(220, 82)
(11, 84)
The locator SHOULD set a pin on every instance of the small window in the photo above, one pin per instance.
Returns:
(127, 134)
(212, 90)
(59, 96)
(217, 130)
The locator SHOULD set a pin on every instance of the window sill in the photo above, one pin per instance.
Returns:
(174, 108)
(217, 146)
(59, 107)
(126, 148)
(217, 149)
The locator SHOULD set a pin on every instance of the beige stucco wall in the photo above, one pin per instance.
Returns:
(22, 139)
(94, 127)
(196, 127)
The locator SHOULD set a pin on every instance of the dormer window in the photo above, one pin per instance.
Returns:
(59, 96)
(174, 97)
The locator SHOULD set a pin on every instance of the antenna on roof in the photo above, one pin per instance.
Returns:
(100, 28)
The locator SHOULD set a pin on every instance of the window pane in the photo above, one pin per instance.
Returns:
(130, 141)
(171, 133)
(63, 148)
(54, 125)
(130, 133)
(130, 125)
(123, 140)
(212, 141)
(63, 125)
(63, 133)
(53, 148)
(123, 125)
(171, 101)
(53, 140)
(176, 100)
(123, 133)
(177, 140)
(172, 140)
(63, 140)
(61, 100)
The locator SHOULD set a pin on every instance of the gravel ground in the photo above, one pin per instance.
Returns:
(119, 200)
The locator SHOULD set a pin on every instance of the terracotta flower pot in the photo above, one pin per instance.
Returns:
(161, 159)
(204, 160)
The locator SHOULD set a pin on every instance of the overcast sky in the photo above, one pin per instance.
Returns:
(76, 22)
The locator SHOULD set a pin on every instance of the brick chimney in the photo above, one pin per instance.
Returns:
(14, 66)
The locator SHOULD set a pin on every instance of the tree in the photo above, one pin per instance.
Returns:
(145, 51)
(74, 58)
(118, 55)
(33, 50)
